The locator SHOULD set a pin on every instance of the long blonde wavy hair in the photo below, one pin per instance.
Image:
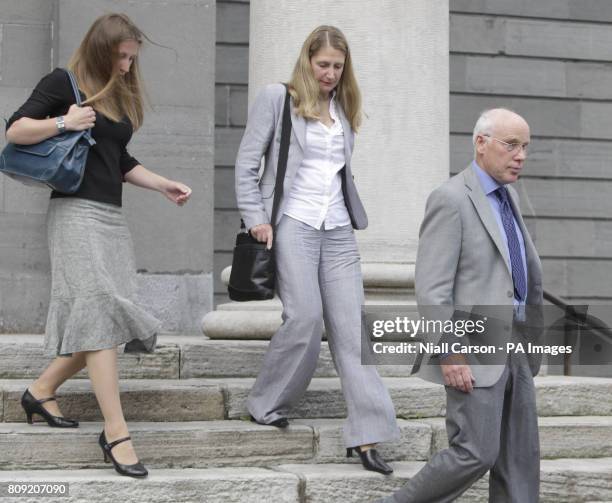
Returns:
(94, 64)
(305, 89)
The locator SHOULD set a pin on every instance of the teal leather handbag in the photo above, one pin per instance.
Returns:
(58, 162)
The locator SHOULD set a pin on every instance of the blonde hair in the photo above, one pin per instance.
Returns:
(94, 64)
(305, 89)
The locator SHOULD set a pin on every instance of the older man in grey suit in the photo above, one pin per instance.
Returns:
(474, 249)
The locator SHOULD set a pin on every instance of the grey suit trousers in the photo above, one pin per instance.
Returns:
(494, 428)
(319, 279)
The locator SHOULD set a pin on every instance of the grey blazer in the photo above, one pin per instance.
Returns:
(255, 194)
(462, 260)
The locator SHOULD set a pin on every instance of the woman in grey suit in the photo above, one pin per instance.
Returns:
(317, 261)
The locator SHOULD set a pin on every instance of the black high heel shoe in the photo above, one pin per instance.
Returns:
(281, 422)
(33, 406)
(370, 460)
(136, 470)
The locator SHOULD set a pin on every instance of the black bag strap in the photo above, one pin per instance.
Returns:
(77, 97)
(283, 156)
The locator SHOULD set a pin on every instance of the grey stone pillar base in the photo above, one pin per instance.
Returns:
(384, 283)
(179, 301)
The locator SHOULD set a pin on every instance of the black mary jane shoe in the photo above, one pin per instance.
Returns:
(370, 460)
(33, 406)
(281, 422)
(136, 470)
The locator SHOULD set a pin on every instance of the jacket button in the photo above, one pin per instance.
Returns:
(509, 293)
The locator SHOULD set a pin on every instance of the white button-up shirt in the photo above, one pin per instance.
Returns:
(316, 194)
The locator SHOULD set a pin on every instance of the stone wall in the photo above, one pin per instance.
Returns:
(550, 61)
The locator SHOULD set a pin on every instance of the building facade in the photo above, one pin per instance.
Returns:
(549, 60)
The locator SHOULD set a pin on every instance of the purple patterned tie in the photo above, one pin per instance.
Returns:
(516, 261)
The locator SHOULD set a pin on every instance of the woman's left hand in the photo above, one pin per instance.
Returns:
(177, 192)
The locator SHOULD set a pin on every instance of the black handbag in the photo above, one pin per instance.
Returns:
(253, 269)
(58, 162)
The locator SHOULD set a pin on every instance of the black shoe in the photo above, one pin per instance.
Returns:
(371, 460)
(33, 406)
(281, 422)
(137, 470)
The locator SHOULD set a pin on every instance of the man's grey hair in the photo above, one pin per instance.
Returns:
(485, 123)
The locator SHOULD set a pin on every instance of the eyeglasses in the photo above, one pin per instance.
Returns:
(510, 147)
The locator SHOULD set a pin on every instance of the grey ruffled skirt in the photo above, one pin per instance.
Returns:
(93, 281)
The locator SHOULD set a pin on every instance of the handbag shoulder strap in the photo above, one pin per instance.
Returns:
(283, 156)
(77, 97)
(75, 87)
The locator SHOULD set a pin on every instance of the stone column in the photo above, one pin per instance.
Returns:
(26, 50)
(400, 55)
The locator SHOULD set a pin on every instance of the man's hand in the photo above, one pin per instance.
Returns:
(457, 373)
(263, 234)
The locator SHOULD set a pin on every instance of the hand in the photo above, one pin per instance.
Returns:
(263, 234)
(79, 118)
(177, 192)
(457, 373)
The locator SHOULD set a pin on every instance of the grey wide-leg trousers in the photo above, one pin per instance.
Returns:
(319, 279)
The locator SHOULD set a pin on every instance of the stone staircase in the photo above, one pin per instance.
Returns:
(185, 405)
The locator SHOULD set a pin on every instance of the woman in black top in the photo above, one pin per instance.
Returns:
(93, 308)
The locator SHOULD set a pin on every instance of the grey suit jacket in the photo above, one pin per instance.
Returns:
(255, 194)
(462, 260)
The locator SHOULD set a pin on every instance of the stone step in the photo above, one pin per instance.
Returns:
(562, 481)
(198, 444)
(164, 445)
(225, 398)
(22, 357)
(177, 357)
(142, 400)
(213, 485)
(243, 358)
(185, 357)
(560, 437)
(415, 398)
